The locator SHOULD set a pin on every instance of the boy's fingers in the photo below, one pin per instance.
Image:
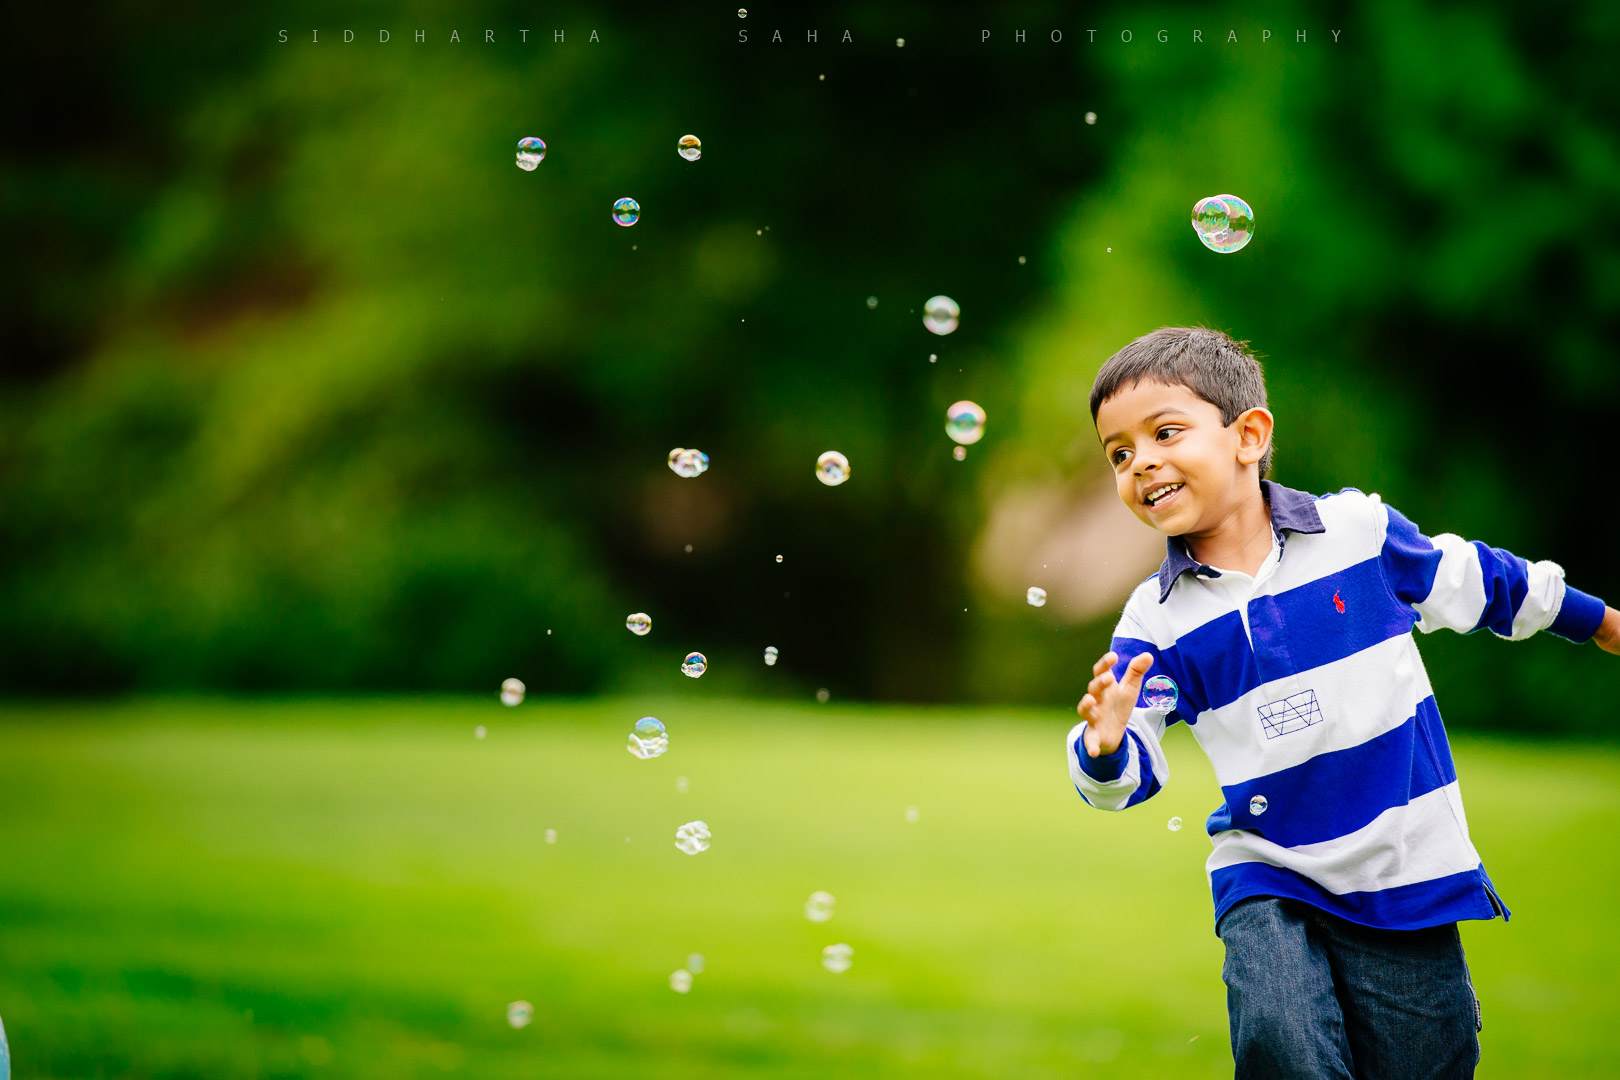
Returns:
(1103, 664)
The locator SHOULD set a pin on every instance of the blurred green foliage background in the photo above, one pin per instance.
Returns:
(306, 386)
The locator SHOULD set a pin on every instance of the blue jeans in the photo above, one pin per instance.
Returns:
(1312, 995)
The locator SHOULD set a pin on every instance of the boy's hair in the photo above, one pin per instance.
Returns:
(1221, 371)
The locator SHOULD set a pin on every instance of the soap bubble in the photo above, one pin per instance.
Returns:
(837, 958)
(832, 468)
(1174, 824)
(626, 211)
(551, 836)
(933, 358)
(1257, 805)
(959, 453)
(688, 463)
(819, 908)
(899, 42)
(1036, 596)
(823, 696)
(682, 784)
(692, 837)
(779, 558)
(690, 147)
(530, 153)
(742, 13)
(1160, 693)
(512, 691)
(648, 740)
(1021, 260)
(639, 623)
(964, 422)
(871, 301)
(519, 1013)
(1225, 223)
(912, 814)
(940, 314)
(480, 731)
(694, 963)
(694, 665)
(680, 981)
(1091, 118)
(770, 656)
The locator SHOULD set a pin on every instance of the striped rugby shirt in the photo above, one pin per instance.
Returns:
(1304, 686)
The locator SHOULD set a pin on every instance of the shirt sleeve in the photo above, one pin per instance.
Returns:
(1138, 769)
(1453, 584)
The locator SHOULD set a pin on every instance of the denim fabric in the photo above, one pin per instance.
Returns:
(1312, 995)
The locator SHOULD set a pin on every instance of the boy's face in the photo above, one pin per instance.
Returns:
(1156, 435)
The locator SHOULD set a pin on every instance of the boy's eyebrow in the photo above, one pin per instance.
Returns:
(1155, 416)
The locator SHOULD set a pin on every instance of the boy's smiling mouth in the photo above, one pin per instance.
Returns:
(1160, 495)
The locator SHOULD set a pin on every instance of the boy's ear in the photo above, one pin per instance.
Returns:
(1254, 435)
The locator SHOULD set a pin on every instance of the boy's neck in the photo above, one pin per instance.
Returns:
(1239, 542)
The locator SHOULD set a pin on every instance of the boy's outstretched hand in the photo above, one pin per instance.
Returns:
(1108, 702)
(1608, 632)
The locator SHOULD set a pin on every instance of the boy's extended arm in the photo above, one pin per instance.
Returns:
(1457, 585)
(1137, 768)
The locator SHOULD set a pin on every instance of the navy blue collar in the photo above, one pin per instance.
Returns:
(1290, 509)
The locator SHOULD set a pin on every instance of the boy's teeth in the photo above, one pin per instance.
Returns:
(1156, 496)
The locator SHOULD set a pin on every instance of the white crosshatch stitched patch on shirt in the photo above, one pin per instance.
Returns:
(1293, 713)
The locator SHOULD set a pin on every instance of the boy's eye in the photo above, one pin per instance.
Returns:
(1168, 430)
(1114, 457)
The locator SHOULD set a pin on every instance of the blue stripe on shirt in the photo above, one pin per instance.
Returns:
(1507, 582)
(1148, 784)
(1464, 895)
(1343, 790)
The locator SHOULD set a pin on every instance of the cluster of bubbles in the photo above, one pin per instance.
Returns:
(519, 1013)
(692, 837)
(1223, 222)
(649, 739)
(694, 665)
(770, 655)
(1036, 596)
(819, 908)
(512, 691)
(837, 958)
(940, 314)
(1257, 805)
(690, 147)
(964, 422)
(1160, 693)
(688, 463)
(832, 468)
(530, 153)
(639, 623)
(626, 211)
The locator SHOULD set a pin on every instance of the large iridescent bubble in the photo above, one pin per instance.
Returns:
(1225, 223)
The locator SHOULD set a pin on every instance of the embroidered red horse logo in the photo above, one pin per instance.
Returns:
(1337, 602)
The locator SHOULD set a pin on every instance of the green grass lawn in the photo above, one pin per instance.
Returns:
(241, 889)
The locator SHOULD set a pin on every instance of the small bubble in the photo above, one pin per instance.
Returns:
(479, 732)
(819, 908)
(1110, 251)
(837, 958)
(512, 691)
(548, 633)
(822, 695)
(530, 153)
(680, 981)
(871, 301)
(964, 422)
(551, 836)
(690, 147)
(682, 785)
(941, 314)
(1174, 824)
(694, 963)
(832, 468)
(692, 837)
(1036, 596)
(770, 656)
(519, 1013)
(1021, 260)
(959, 453)
(899, 42)
(1160, 693)
(1192, 1040)
(1091, 118)
(912, 814)
(759, 232)
(822, 78)
(688, 463)
(639, 623)
(742, 13)
(1225, 223)
(779, 558)
(689, 549)
(649, 739)
(1257, 805)
(694, 665)
(626, 211)
(933, 358)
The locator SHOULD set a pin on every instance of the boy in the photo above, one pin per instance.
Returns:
(1341, 858)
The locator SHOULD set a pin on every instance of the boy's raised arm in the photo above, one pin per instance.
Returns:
(1462, 586)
